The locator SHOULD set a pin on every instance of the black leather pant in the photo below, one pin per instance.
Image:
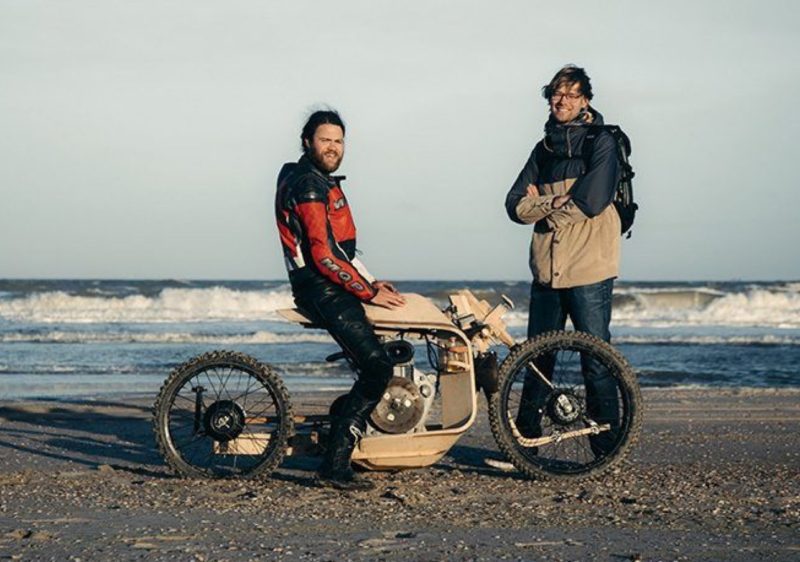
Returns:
(342, 314)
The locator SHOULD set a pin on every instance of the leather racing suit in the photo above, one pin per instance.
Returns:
(330, 284)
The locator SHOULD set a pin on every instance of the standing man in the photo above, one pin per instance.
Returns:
(575, 249)
(330, 284)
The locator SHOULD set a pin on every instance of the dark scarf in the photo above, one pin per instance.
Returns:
(562, 138)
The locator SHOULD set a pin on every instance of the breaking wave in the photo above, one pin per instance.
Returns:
(271, 338)
(755, 307)
(761, 340)
(260, 337)
(658, 307)
(170, 305)
(700, 307)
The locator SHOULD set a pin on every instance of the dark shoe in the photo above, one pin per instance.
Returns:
(346, 431)
(347, 480)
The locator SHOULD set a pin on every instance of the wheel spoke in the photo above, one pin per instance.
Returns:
(222, 383)
(191, 442)
(270, 405)
(234, 384)
(536, 370)
(576, 378)
(246, 393)
(211, 386)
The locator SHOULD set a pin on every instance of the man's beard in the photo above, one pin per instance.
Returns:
(320, 162)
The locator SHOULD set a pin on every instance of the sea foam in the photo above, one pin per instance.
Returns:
(171, 305)
(776, 307)
(102, 337)
(756, 307)
(706, 307)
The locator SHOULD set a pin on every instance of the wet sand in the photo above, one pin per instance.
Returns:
(715, 476)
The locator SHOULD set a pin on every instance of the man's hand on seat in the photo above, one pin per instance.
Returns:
(387, 296)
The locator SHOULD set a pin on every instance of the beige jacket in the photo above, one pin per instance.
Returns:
(569, 249)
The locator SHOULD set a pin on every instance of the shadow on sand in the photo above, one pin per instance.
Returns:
(120, 435)
(100, 433)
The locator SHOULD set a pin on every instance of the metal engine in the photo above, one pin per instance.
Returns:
(405, 404)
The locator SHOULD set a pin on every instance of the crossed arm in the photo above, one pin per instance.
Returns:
(533, 207)
(588, 196)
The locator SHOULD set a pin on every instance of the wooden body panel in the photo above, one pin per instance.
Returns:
(458, 395)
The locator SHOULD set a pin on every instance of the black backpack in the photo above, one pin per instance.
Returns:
(623, 199)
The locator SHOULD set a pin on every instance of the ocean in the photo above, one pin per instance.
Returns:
(67, 339)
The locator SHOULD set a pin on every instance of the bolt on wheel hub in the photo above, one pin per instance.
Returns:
(224, 420)
(564, 408)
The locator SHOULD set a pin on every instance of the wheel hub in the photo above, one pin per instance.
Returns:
(401, 407)
(224, 420)
(564, 408)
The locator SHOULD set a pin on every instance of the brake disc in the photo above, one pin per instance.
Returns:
(401, 407)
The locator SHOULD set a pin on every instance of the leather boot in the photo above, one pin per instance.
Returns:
(346, 431)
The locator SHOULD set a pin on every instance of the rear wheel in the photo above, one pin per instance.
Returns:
(223, 414)
(568, 406)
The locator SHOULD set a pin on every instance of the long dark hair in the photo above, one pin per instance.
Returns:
(321, 117)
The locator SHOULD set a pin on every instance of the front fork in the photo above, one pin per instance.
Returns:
(198, 408)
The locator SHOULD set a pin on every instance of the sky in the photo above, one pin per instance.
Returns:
(143, 139)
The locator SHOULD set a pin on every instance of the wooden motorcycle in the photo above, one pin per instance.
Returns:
(225, 414)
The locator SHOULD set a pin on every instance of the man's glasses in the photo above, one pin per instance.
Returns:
(569, 96)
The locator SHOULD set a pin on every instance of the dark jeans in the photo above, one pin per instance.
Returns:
(589, 308)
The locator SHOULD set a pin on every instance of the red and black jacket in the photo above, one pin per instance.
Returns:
(317, 231)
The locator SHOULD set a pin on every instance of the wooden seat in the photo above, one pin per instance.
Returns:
(417, 311)
(298, 316)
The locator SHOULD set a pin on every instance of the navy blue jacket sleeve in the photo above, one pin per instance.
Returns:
(594, 190)
(529, 175)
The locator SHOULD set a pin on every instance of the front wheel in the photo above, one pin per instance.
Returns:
(223, 414)
(568, 406)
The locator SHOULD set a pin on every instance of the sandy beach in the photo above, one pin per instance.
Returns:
(715, 476)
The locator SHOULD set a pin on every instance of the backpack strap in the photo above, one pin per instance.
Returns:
(620, 139)
(587, 149)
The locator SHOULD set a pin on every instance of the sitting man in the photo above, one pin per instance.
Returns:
(330, 284)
